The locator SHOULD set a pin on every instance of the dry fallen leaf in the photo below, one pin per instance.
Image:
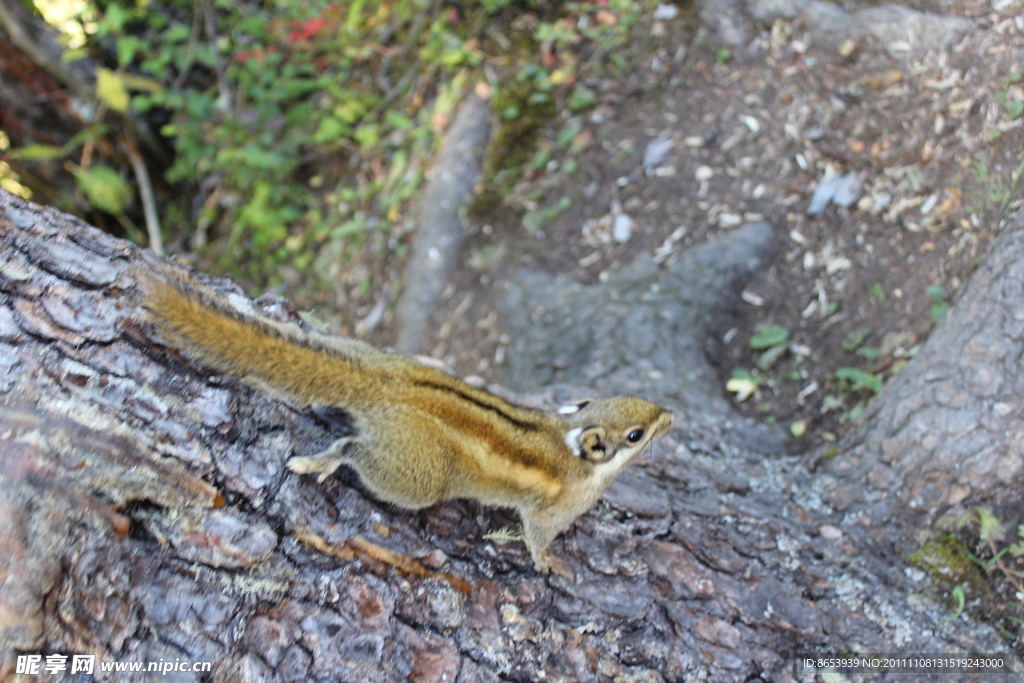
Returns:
(883, 79)
(743, 388)
(952, 199)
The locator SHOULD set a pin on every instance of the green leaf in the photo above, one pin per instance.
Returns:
(115, 18)
(860, 379)
(177, 34)
(355, 15)
(36, 152)
(93, 132)
(349, 227)
(134, 82)
(991, 527)
(142, 103)
(855, 338)
(771, 356)
(73, 55)
(742, 373)
(368, 135)
(111, 89)
(399, 164)
(565, 136)
(958, 594)
(103, 187)
(1014, 109)
(831, 402)
(398, 121)
(127, 46)
(877, 291)
(769, 336)
(252, 157)
(581, 98)
(330, 130)
(869, 352)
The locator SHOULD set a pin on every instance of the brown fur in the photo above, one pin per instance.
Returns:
(423, 436)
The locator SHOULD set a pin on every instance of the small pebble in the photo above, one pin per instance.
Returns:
(666, 11)
(656, 152)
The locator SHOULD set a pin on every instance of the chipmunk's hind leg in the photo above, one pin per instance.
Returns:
(401, 453)
(404, 457)
(327, 461)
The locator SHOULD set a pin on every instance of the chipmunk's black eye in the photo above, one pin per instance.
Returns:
(635, 435)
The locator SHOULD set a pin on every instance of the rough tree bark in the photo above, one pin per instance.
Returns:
(147, 514)
(946, 433)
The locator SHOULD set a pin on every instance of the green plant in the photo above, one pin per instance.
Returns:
(940, 302)
(998, 189)
(299, 128)
(851, 381)
(535, 220)
(855, 339)
(774, 341)
(1014, 108)
(769, 336)
(961, 599)
(859, 379)
(994, 553)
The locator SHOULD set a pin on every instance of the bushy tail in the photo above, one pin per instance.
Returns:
(210, 331)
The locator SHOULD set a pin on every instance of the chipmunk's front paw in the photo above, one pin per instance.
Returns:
(542, 563)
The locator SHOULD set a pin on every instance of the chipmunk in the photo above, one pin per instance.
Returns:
(422, 435)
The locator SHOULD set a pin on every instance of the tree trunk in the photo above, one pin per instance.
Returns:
(148, 516)
(946, 434)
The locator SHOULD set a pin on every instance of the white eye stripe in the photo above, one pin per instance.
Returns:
(568, 410)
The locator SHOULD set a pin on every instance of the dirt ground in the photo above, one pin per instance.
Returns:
(932, 139)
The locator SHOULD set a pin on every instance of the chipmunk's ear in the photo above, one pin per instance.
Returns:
(593, 445)
(573, 407)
